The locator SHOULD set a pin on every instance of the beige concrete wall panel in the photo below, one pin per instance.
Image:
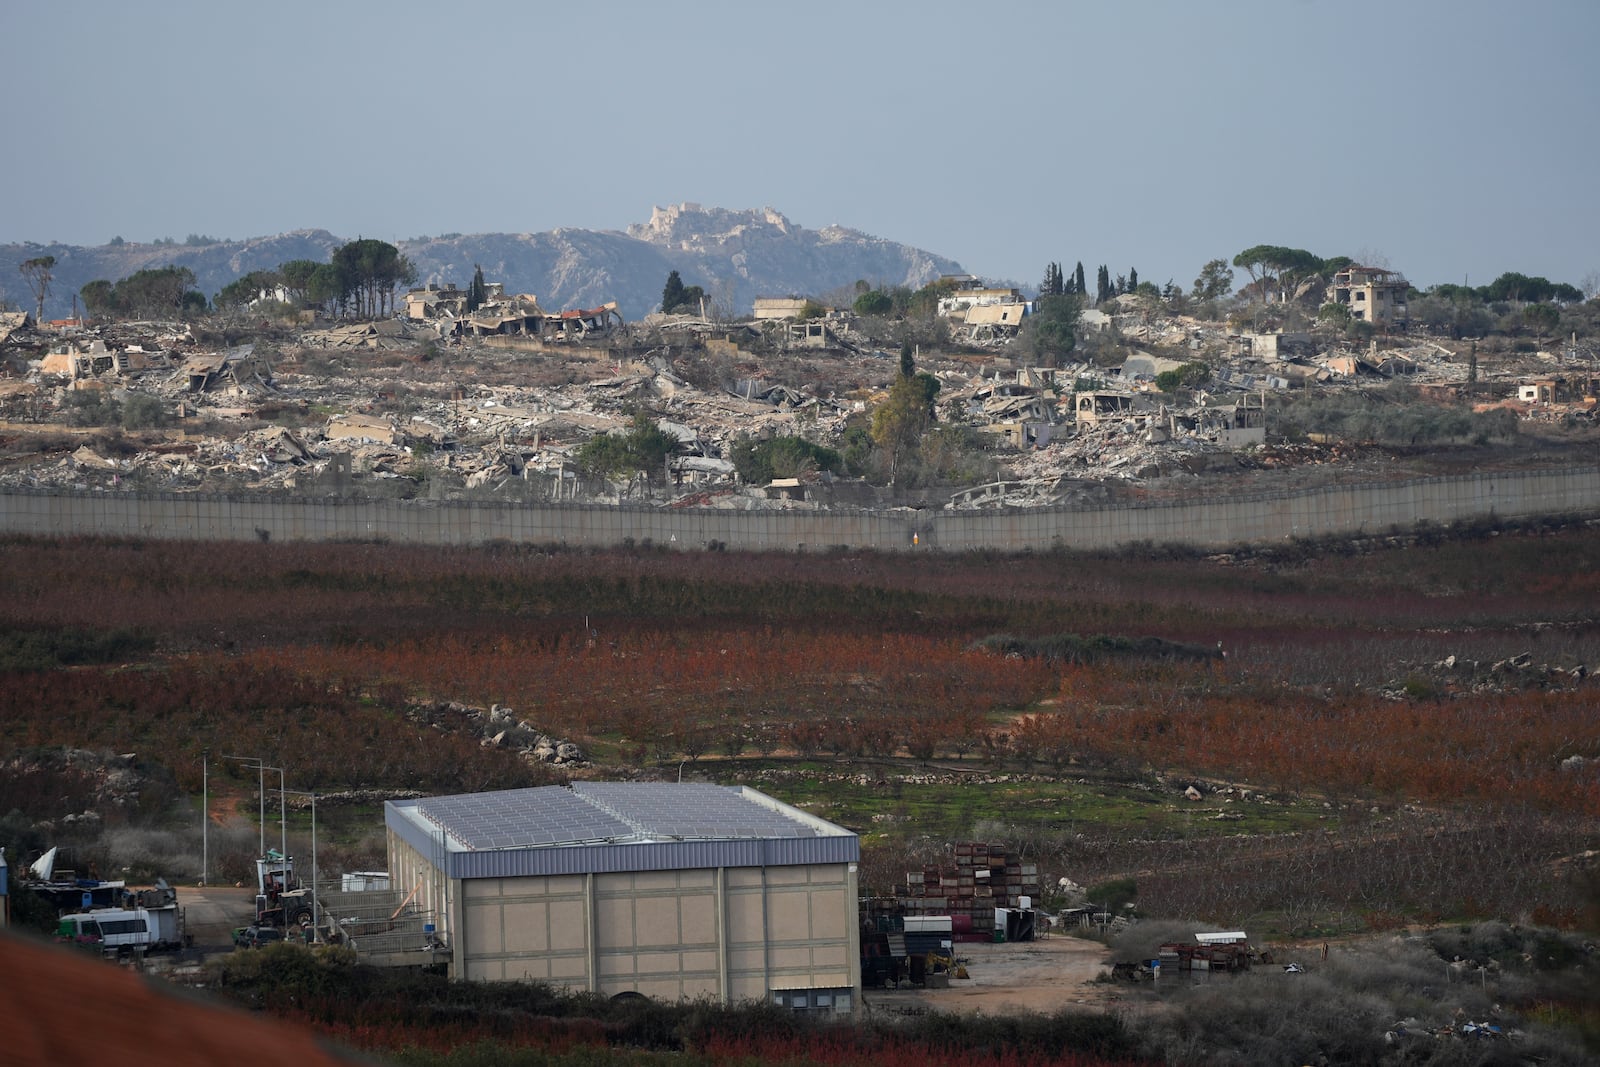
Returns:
(571, 970)
(656, 921)
(567, 933)
(744, 917)
(700, 962)
(618, 965)
(613, 923)
(485, 930)
(834, 956)
(527, 927)
(830, 916)
(659, 963)
(697, 918)
(792, 960)
(789, 917)
(746, 961)
(528, 970)
(481, 888)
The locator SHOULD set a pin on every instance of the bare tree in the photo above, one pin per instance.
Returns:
(37, 272)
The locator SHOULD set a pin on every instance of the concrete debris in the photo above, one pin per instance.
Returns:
(385, 334)
(498, 401)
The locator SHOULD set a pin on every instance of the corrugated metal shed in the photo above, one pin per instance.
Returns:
(1221, 937)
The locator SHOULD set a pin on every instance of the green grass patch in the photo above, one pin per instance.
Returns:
(47, 648)
(901, 799)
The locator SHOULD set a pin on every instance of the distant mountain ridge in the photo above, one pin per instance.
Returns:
(735, 256)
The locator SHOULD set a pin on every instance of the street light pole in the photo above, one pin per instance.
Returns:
(283, 832)
(205, 816)
(315, 921)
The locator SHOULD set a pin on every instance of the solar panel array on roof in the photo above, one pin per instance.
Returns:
(605, 811)
(695, 810)
(522, 818)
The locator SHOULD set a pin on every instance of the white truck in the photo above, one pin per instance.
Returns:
(124, 931)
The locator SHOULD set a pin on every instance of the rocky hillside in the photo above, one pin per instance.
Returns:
(734, 256)
(214, 265)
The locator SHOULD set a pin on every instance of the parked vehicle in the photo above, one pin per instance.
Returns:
(281, 900)
(124, 930)
(256, 936)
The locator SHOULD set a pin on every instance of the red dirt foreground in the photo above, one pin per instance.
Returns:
(63, 1007)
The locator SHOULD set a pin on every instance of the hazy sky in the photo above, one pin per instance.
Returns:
(1445, 138)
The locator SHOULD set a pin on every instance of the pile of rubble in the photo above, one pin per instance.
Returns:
(411, 408)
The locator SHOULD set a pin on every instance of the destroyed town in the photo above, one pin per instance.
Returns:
(923, 391)
(1262, 782)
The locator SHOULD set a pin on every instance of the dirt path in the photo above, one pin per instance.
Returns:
(1042, 976)
(210, 914)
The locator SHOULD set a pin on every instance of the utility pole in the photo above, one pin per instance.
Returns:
(283, 831)
(205, 816)
(314, 913)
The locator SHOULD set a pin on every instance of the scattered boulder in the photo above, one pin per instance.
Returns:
(498, 727)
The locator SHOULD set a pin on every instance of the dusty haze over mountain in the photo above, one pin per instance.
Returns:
(735, 256)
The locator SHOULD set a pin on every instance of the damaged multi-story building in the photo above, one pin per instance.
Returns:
(1372, 294)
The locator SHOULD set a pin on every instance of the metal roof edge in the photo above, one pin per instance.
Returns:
(401, 818)
(658, 856)
(822, 826)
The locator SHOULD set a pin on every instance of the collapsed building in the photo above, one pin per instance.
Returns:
(359, 408)
(1372, 294)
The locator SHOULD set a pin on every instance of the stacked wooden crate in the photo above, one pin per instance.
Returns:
(984, 877)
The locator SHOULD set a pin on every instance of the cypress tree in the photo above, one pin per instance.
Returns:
(671, 293)
(1053, 284)
(1078, 285)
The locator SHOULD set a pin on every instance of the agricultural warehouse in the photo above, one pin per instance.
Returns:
(666, 890)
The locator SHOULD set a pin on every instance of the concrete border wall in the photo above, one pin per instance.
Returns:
(1205, 522)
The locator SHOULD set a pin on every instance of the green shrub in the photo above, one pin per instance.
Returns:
(1113, 896)
(142, 411)
(92, 407)
(39, 649)
(1075, 648)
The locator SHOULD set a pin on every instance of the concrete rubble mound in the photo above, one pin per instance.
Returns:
(498, 402)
